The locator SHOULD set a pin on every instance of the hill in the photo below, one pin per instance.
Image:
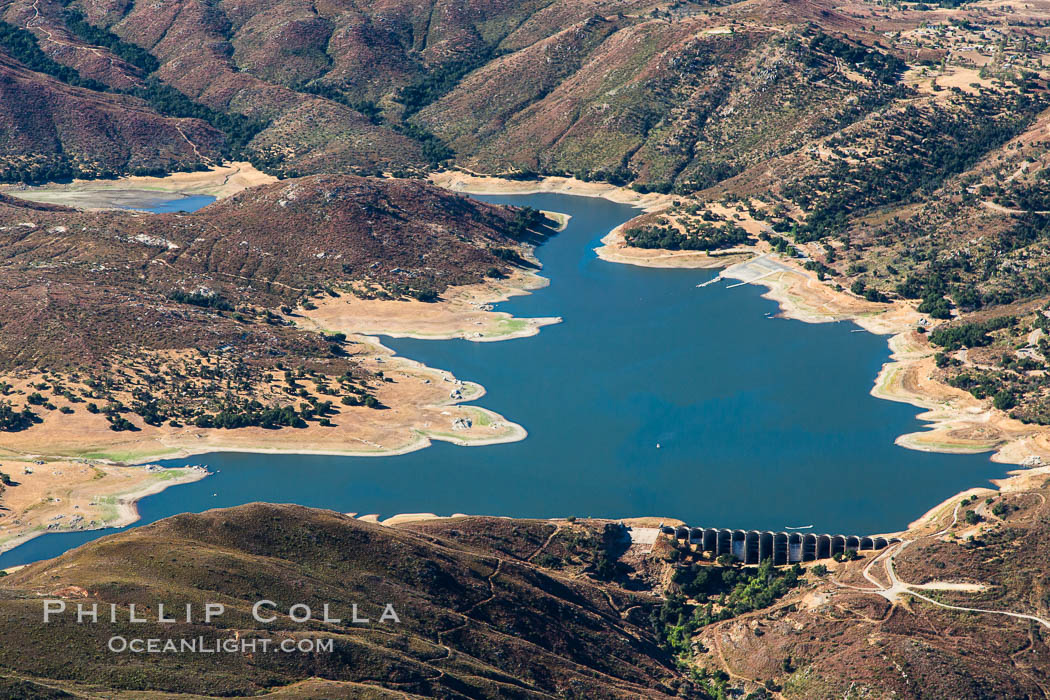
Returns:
(266, 247)
(496, 607)
(50, 130)
(148, 331)
(475, 621)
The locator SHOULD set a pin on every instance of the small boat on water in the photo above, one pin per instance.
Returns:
(800, 527)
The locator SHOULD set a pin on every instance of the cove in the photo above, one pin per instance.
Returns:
(652, 397)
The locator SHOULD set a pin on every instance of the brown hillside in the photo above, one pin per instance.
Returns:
(93, 282)
(475, 622)
(45, 123)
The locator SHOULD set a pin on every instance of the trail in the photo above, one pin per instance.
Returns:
(51, 37)
(490, 579)
(473, 606)
(249, 279)
(550, 538)
(988, 204)
(898, 588)
(226, 180)
(196, 152)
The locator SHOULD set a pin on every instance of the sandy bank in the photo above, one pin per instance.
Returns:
(614, 246)
(68, 496)
(615, 249)
(420, 403)
(958, 422)
(462, 312)
(218, 182)
(459, 181)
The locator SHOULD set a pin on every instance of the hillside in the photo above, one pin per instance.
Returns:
(266, 247)
(683, 96)
(984, 550)
(476, 621)
(50, 130)
(881, 140)
(496, 608)
(125, 327)
(496, 86)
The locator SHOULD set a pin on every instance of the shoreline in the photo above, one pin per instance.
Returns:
(220, 182)
(124, 503)
(614, 249)
(415, 428)
(956, 423)
(800, 297)
(466, 183)
(461, 313)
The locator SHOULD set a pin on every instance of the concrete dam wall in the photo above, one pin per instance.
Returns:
(753, 546)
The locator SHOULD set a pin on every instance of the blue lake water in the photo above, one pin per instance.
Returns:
(761, 422)
(184, 204)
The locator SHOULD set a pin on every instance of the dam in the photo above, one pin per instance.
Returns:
(754, 546)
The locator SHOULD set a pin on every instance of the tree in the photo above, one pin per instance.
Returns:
(13, 421)
(726, 560)
(1004, 400)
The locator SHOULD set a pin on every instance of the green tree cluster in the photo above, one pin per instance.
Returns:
(13, 421)
(970, 335)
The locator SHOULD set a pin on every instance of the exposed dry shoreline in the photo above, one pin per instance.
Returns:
(459, 181)
(218, 182)
(958, 422)
(66, 496)
(422, 404)
(463, 312)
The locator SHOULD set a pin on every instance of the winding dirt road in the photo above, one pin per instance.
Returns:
(897, 588)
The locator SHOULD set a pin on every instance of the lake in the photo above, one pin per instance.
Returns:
(653, 397)
(178, 203)
(155, 201)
